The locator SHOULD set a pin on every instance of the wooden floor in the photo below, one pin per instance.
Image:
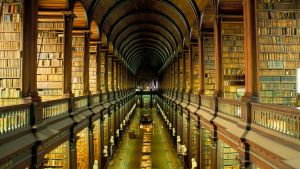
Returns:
(129, 151)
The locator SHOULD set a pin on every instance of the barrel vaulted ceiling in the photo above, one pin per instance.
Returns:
(144, 32)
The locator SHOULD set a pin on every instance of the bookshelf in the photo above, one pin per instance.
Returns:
(82, 147)
(77, 63)
(102, 71)
(179, 124)
(112, 124)
(206, 148)
(105, 130)
(97, 139)
(195, 59)
(11, 46)
(181, 73)
(194, 143)
(115, 75)
(233, 59)
(227, 156)
(209, 63)
(58, 158)
(278, 46)
(187, 70)
(93, 69)
(50, 53)
(109, 73)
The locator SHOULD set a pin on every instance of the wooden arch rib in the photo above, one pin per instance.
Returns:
(81, 20)
(95, 34)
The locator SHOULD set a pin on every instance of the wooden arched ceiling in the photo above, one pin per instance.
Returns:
(80, 20)
(95, 34)
(146, 29)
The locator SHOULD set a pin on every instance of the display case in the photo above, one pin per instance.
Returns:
(278, 50)
(11, 47)
(58, 157)
(82, 148)
(209, 63)
(78, 41)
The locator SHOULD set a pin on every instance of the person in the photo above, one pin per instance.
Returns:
(194, 163)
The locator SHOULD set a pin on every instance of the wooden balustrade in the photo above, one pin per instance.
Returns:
(230, 107)
(207, 102)
(81, 102)
(95, 99)
(54, 108)
(14, 117)
(279, 118)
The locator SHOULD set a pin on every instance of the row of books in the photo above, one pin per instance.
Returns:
(279, 40)
(50, 77)
(50, 48)
(50, 63)
(51, 25)
(277, 72)
(279, 64)
(5, 54)
(277, 93)
(278, 79)
(50, 92)
(10, 73)
(279, 31)
(9, 36)
(277, 86)
(278, 100)
(10, 93)
(279, 56)
(49, 85)
(11, 17)
(10, 45)
(10, 83)
(263, 23)
(49, 70)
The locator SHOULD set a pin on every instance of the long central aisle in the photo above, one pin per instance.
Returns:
(129, 153)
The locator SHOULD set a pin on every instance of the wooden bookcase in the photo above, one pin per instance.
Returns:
(109, 73)
(195, 59)
(50, 57)
(187, 70)
(93, 69)
(181, 73)
(115, 75)
(82, 147)
(11, 47)
(209, 63)
(77, 63)
(206, 148)
(58, 158)
(97, 139)
(278, 46)
(228, 157)
(233, 59)
(102, 74)
(105, 130)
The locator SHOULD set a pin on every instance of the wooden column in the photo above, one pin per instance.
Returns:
(29, 73)
(98, 68)
(201, 64)
(251, 52)
(86, 82)
(218, 57)
(69, 18)
(91, 144)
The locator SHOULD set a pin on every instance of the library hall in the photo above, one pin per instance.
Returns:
(149, 84)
